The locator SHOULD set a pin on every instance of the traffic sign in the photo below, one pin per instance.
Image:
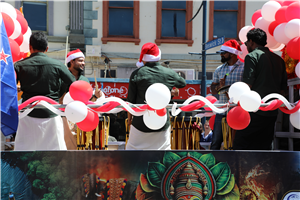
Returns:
(214, 43)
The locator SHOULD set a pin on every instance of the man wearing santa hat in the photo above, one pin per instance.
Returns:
(40, 75)
(224, 76)
(141, 137)
(76, 62)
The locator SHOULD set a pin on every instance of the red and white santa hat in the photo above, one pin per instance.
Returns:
(231, 46)
(149, 53)
(74, 54)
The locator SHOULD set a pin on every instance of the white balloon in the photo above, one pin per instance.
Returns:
(243, 33)
(158, 96)
(67, 98)
(292, 28)
(295, 119)
(278, 47)
(250, 101)
(0, 18)
(269, 10)
(271, 42)
(17, 30)
(279, 34)
(76, 111)
(262, 24)
(24, 47)
(236, 90)
(8, 9)
(244, 51)
(297, 69)
(153, 121)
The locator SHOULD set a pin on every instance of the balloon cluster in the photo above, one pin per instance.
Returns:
(76, 110)
(17, 29)
(281, 22)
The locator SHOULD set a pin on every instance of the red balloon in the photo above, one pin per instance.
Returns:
(280, 15)
(287, 3)
(8, 23)
(293, 11)
(23, 22)
(212, 122)
(255, 16)
(15, 50)
(272, 27)
(25, 55)
(161, 112)
(21, 54)
(90, 122)
(18, 12)
(81, 91)
(19, 39)
(212, 100)
(292, 48)
(238, 118)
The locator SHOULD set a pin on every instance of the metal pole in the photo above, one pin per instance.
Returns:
(203, 80)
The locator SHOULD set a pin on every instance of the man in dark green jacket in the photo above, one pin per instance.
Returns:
(142, 137)
(40, 75)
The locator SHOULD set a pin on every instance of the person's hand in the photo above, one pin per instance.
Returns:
(98, 93)
(175, 92)
(222, 82)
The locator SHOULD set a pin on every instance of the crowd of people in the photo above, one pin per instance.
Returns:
(263, 70)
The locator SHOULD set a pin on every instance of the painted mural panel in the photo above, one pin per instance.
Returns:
(157, 175)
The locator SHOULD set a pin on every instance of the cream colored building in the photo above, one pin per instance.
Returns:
(85, 25)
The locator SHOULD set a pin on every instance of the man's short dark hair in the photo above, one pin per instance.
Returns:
(258, 36)
(38, 41)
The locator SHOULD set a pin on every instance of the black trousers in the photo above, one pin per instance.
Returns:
(258, 135)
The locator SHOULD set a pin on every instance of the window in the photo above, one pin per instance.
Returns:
(226, 18)
(121, 21)
(36, 15)
(171, 22)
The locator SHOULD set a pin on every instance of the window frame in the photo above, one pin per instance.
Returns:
(188, 29)
(47, 14)
(241, 14)
(136, 26)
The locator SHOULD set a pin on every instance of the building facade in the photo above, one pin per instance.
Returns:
(111, 33)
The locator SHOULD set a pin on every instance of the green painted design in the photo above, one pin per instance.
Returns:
(170, 158)
(196, 154)
(155, 173)
(182, 154)
(208, 159)
(233, 195)
(221, 173)
(229, 187)
(145, 184)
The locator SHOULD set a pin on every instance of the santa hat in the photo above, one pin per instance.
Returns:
(74, 54)
(149, 53)
(231, 46)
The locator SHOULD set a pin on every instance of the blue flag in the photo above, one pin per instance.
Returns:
(9, 93)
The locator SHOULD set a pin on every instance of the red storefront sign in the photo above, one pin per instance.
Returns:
(120, 89)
